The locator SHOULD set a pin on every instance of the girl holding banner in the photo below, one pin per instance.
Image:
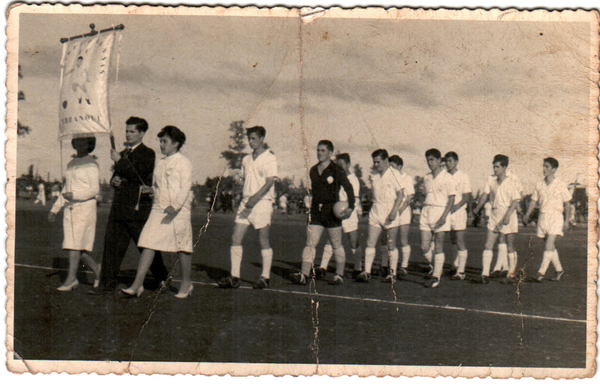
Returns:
(78, 199)
(169, 227)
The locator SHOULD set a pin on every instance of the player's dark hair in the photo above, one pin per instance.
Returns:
(502, 159)
(89, 141)
(261, 131)
(140, 124)
(433, 152)
(326, 143)
(451, 155)
(174, 133)
(397, 160)
(343, 156)
(381, 153)
(552, 161)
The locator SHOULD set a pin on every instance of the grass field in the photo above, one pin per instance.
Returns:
(529, 325)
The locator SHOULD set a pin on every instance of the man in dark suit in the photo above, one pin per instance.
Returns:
(130, 208)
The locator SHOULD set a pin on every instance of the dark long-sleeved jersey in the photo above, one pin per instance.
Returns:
(325, 188)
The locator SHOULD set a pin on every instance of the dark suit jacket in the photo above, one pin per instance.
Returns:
(134, 169)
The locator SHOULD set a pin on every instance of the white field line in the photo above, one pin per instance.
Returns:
(398, 303)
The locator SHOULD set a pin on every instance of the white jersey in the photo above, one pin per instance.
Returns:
(355, 187)
(386, 187)
(502, 195)
(551, 197)
(407, 183)
(385, 190)
(256, 171)
(439, 189)
(463, 186)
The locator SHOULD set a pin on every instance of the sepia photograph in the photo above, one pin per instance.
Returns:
(302, 191)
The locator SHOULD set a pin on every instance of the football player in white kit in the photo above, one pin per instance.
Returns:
(349, 226)
(387, 198)
(553, 198)
(408, 185)
(458, 214)
(259, 172)
(440, 191)
(504, 191)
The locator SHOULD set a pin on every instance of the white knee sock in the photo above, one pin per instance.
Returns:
(462, 260)
(393, 260)
(267, 259)
(502, 260)
(369, 257)
(556, 261)
(486, 260)
(236, 260)
(327, 253)
(308, 256)
(548, 255)
(340, 261)
(357, 257)
(405, 256)
(438, 266)
(512, 263)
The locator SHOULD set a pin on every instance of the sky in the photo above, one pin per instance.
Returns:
(476, 88)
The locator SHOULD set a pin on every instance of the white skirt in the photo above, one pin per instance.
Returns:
(79, 226)
(167, 233)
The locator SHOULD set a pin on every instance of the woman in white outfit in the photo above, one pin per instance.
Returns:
(78, 199)
(169, 227)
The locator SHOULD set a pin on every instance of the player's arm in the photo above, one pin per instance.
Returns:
(405, 204)
(466, 199)
(482, 200)
(447, 210)
(532, 206)
(513, 207)
(399, 197)
(344, 182)
(254, 199)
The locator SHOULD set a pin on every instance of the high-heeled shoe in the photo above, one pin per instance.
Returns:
(184, 295)
(70, 287)
(97, 277)
(131, 292)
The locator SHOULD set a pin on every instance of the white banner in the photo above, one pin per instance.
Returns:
(84, 85)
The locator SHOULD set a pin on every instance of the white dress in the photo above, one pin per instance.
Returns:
(172, 187)
(79, 220)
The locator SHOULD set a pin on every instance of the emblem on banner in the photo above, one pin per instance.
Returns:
(84, 87)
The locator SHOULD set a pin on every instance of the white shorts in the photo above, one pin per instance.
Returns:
(458, 220)
(351, 223)
(406, 217)
(550, 223)
(430, 216)
(378, 217)
(497, 216)
(259, 216)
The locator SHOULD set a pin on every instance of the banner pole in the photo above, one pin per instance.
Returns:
(93, 32)
(62, 175)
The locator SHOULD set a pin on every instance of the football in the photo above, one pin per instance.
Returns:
(339, 208)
